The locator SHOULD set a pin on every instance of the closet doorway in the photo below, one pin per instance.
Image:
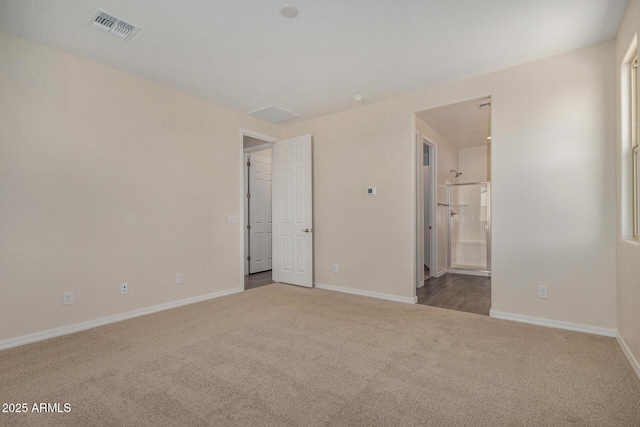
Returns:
(258, 223)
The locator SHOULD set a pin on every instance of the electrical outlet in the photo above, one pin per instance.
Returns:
(124, 288)
(335, 268)
(67, 297)
(542, 292)
(178, 278)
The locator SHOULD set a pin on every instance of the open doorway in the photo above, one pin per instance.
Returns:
(427, 254)
(257, 206)
(288, 210)
(460, 276)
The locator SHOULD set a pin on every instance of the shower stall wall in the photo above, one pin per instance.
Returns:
(469, 230)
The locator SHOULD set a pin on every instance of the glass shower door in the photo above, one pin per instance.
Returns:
(469, 227)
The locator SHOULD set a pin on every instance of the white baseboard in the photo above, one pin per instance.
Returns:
(378, 295)
(632, 360)
(77, 327)
(470, 272)
(554, 323)
(421, 284)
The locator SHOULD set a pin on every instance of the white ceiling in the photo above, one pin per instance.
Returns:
(464, 125)
(242, 54)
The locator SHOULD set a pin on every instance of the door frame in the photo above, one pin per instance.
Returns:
(268, 144)
(247, 201)
(420, 142)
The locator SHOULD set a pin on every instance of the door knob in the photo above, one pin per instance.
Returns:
(306, 230)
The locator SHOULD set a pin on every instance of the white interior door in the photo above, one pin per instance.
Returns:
(260, 187)
(292, 211)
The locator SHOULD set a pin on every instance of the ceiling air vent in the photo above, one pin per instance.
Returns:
(273, 114)
(112, 25)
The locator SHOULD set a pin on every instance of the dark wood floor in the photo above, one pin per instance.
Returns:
(457, 292)
(257, 279)
(453, 291)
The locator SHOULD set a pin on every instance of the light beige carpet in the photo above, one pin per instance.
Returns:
(282, 355)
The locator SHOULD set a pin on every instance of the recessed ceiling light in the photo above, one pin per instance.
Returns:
(289, 11)
(358, 98)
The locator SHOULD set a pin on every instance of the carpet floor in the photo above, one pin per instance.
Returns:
(281, 355)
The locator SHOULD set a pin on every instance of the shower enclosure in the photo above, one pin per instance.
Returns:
(469, 231)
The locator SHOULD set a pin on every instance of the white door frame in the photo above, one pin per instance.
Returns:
(433, 191)
(420, 142)
(257, 194)
(269, 141)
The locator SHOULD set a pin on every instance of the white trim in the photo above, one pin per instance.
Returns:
(554, 323)
(256, 135)
(483, 273)
(433, 182)
(256, 148)
(625, 349)
(410, 300)
(77, 327)
(418, 202)
(415, 217)
(245, 212)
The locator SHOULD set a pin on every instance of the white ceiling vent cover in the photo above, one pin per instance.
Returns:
(273, 114)
(116, 26)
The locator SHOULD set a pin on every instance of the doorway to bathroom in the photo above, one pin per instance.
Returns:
(460, 277)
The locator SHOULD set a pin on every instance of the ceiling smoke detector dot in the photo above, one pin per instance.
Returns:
(289, 11)
(358, 98)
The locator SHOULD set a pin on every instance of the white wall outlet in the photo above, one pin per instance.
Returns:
(124, 288)
(178, 278)
(542, 292)
(67, 297)
(335, 268)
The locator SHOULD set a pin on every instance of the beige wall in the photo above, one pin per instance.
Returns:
(473, 163)
(107, 178)
(552, 175)
(628, 252)
(369, 237)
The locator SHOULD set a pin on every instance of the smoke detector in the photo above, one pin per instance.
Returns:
(289, 11)
(112, 25)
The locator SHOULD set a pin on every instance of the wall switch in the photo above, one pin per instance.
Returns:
(234, 219)
(542, 292)
(371, 191)
(335, 268)
(124, 288)
(178, 278)
(67, 297)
